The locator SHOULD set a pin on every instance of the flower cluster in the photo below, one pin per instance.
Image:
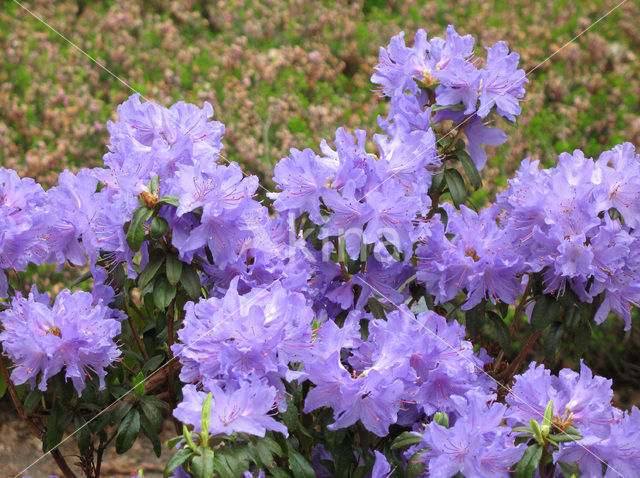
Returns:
(583, 401)
(241, 346)
(409, 365)
(75, 333)
(577, 222)
(444, 73)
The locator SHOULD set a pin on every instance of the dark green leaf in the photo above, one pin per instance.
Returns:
(152, 435)
(190, 281)
(569, 470)
(469, 168)
(128, 431)
(82, 434)
(405, 439)
(176, 460)
(458, 107)
(376, 309)
(529, 463)
(153, 266)
(500, 328)
(153, 363)
(437, 182)
(174, 269)
(33, 397)
(299, 465)
(58, 422)
(415, 467)
(152, 413)
(82, 278)
(169, 199)
(264, 450)
(202, 465)
(135, 234)
(456, 186)
(475, 319)
(544, 312)
(552, 340)
(163, 293)
(3, 385)
(159, 227)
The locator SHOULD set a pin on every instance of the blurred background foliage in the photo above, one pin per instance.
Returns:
(286, 73)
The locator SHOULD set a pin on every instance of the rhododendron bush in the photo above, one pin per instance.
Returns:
(363, 319)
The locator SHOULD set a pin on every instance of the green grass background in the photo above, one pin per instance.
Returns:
(286, 73)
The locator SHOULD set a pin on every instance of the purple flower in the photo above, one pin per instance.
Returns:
(579, 399)
(74, 333)
(241, 409)
(258, 333)
(502, 83)
(399, 65)
(301, 177)
(477, 258)
(476, 445)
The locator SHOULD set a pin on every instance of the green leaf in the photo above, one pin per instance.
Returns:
(299, 465)
(176, 460)
(174, 269)
(458, 107)
(33, 397)
(169, 199)
(500, 328)
(80, 279)
(3, 385)
(544, 312)
(156, 260)
(264, 449)
(569, 470)
(206, 416)
(138, 384)
(474, 319)
(456, 186)
(437, 182)
(58, 422)
(405, 439)
(128, 431)
(376, 309)
(529, 463)
(415, 466)
(153, 414)
(442, 419)
(153, 363)
(202, 465)
(548, 415)
(163, 293)
(154, 184)
(552, 340)
(159, 227)
(152, 434)
(82, 434)
(172, 442)
(135, 234)
(537, 433)
(190, 281)
(469, 168)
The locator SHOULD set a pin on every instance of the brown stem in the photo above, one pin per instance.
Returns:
(136, 336)
(511, 370)
(172, 396)
(17, 403)
(170, 320)
(517, 315)
(62, 464)
(134, 329)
